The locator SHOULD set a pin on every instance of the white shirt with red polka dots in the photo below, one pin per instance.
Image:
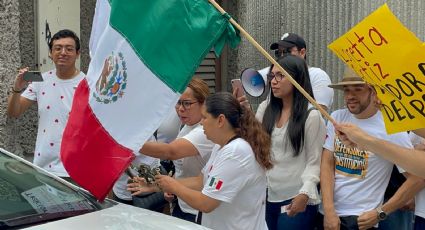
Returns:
(54, 98)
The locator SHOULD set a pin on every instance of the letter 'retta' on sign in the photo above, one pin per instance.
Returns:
(392, 59)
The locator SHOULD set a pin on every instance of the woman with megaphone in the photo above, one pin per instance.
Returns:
(298, 133)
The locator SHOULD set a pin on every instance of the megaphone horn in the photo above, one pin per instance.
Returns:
(254, 82)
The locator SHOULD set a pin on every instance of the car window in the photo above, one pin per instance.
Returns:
(29, 195)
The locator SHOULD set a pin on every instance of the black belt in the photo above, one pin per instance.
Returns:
(199, 218)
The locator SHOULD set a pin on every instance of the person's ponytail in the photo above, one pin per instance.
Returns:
(252, 131)
(244, 124)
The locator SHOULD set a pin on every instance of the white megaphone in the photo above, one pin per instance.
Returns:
(254, 82)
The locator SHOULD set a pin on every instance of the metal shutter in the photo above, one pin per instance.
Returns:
(210, 72)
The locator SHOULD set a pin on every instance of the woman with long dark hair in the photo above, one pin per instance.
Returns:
(230, 191)
(297, 133)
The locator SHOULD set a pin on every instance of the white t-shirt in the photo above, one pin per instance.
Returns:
(54, 98)
(420, 196)
(167, 132)
(420, 203)
(361, 177)
(415, 139)
(291, 175)
(319, 82)
(169, 128)
(233, 176)
(192, 166)
(120, 187)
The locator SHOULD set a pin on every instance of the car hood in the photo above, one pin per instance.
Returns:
(120, 217)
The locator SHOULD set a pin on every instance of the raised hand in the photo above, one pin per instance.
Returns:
(243, 101)
(138, 185)
(166, 183)
(20, 83)
(351, 135)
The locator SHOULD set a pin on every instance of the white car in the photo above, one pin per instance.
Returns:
(32, 198)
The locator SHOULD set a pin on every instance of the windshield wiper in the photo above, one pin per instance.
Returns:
(96, 204)
(40, 218)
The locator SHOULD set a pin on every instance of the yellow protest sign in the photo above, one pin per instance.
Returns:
(392, 59)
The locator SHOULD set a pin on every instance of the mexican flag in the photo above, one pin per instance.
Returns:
(144, 53)
(215, 183)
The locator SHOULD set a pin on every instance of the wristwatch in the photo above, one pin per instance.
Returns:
(381, 214)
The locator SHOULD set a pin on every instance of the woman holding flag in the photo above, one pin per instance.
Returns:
(230, 190)
(191, 150)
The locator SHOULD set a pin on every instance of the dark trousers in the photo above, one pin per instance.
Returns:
(398, 220)
(277, 220)
(114, 197)
(419, 223)
(153, 201)
(177, 212)
(347, 222)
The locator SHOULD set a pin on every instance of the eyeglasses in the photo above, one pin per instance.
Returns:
(280, 52)
(278, 76)
(67, 49)
(185, 103)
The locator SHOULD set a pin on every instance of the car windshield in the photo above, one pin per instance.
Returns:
(29, 195)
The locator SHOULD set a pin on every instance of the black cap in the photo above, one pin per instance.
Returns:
(289, 40)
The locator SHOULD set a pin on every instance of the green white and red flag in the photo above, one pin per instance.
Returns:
(144, 53)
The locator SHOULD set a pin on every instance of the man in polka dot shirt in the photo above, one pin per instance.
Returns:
(53, 96)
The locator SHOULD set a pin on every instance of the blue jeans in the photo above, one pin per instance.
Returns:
(419, 223)
(277, 220)
(398, 220)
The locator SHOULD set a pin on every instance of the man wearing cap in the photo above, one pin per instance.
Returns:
(353, 181)
(294, 44)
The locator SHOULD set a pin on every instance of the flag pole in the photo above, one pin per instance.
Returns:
(274, 62)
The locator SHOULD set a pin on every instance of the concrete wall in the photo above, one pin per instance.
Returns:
(86, 14)
(10, 60)
(319, 22)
